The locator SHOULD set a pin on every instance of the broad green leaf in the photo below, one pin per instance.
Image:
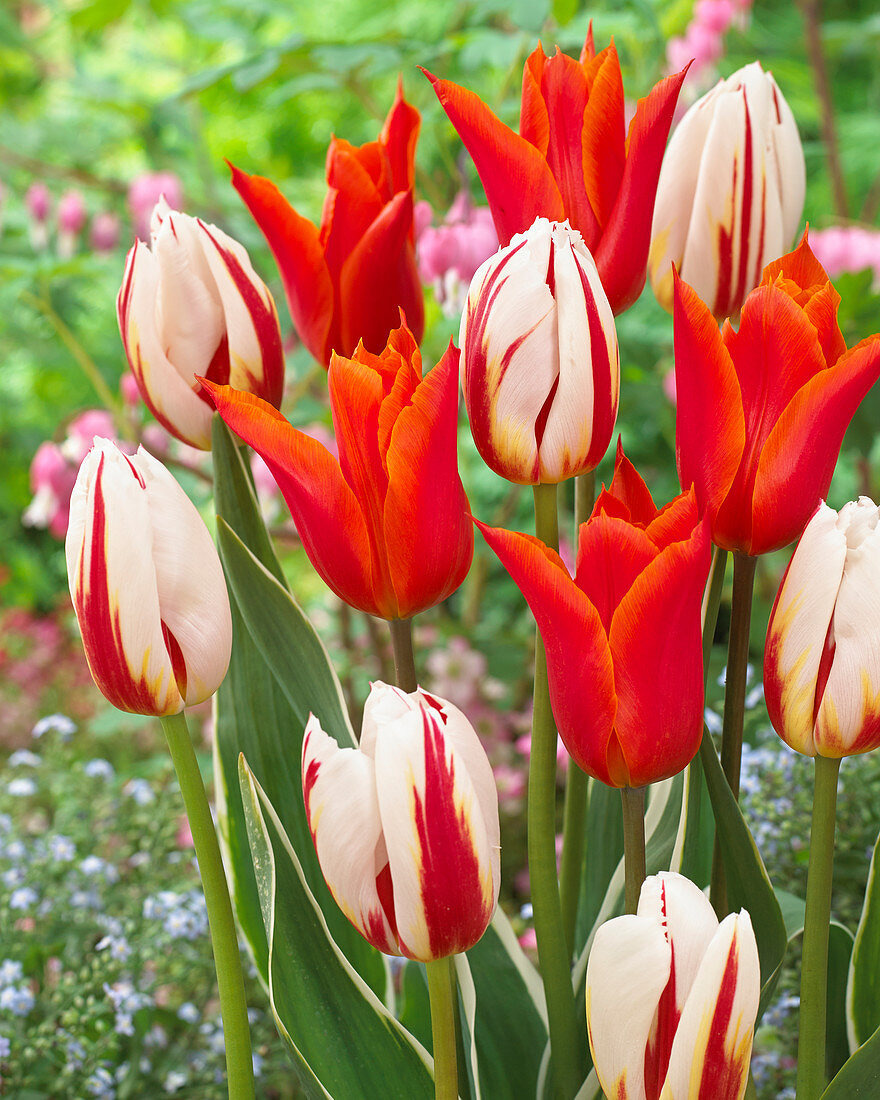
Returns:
(859, 1078)
(603, 851)
(342, 1038)
(748, 886)
(863, 987)
(696, 832)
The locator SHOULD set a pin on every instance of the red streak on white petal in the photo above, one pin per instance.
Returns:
(724, 1068)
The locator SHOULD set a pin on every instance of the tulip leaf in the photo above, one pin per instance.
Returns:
(342, 1038)
(603, 851)
(748, 885)
(859, 1077)
(863, 986)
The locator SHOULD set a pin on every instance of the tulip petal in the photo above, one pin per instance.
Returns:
(602, 141)
(798, 458)
(517, 180)
(611, 554)
(627, 971)
(798, 627)
(629, 488)
(580, 672)
(438, 845)
(326, 512)
(710, 424)
(817, 296)
(339, 788)
(296, 246)
(848, 721)
(113, 585)
(656, 642)
(398, 138)
(713, 1043)
(425, 506)
(534, 117)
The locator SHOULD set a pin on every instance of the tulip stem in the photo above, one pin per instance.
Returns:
(633, 799)
(734, 702)
(404, 658)
(811, 1078)
(567, 1044)
(441, 993)
(224, 940)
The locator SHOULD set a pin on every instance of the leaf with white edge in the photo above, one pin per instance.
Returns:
(859, 1078)
(344, 1041)
(863, 985)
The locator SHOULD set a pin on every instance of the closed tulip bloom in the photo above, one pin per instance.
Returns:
(540, 366)
(672, 997)
(387, 524)
(623, 637)
(146, 585)
(822, 658)
(762, 411)
(190, 304)
(731, 192)
(347, 279)
(573, 157)
(406, 825)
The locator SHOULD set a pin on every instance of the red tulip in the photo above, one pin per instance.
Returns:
(387, 524)
(573, 158)
(623, 638)
(347, 280)
(762, 411)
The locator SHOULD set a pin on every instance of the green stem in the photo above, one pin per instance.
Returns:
(404, 658)
(811, 1077)
(633, 799)
(441, 992)
(566, 1035)
(734, 702)
(227, 958)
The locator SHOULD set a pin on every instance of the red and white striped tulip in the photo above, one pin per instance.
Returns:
(672, 997)
(191, 303)
(822, 658)
(731, 192)
(406, 825)
(540, 366)
(146, 585)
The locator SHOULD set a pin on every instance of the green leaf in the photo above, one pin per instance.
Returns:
(859, 1079)
(748, 886)
(564, 11)
(343, 1039)
(603, 851)
(863, 987)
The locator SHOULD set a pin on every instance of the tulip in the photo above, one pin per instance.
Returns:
(346, 280)
(146, 585)
(731, 192)
(406, 825)
(623, 638)
(822, 659)
(762, 411)
(387, 523)
(573, 157)
(672, 997)
(192, 304)
(540, 363)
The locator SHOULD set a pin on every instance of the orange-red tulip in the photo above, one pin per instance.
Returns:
(347, 280)
(573, 158)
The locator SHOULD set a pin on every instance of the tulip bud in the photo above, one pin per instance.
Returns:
(672, 997)
(146, 585)
(822, 659)
(731, 192)
(406, 825)
(540, 365)
(192, 304)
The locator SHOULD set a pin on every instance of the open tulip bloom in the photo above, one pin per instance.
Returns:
(347, 280)
(762, 411)
(190, 304)
(387, 524)
(406, 825)
(573, 157)
(672, 997)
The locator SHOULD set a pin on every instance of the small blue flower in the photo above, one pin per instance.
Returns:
(117, 946)
(23, 758)
(16, 999)
(23, 898)
(11, 971)
(57, 723)
(140, 790)
(99, 769)
(61, 848)
(189, 1013)
(5, 1047)
(22, 787)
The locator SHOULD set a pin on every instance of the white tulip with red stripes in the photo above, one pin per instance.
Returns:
(822, 658)
(540, 366)
(731, 192)
(672, 997)
(406, 825)
(192, 304)
(146, 585)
